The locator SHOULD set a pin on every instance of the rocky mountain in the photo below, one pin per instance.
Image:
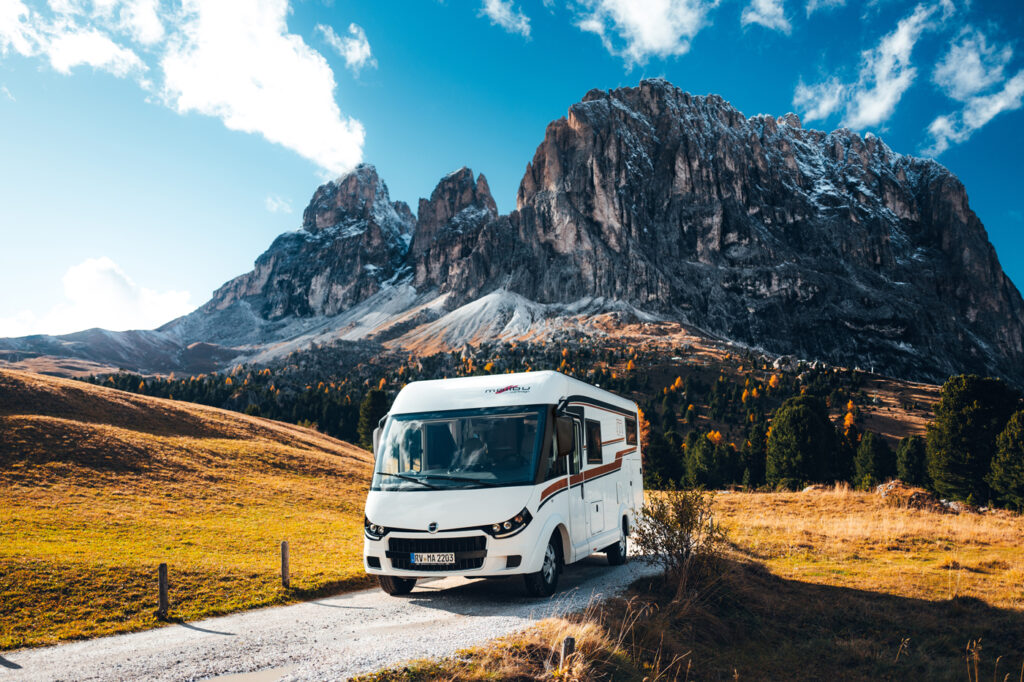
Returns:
(651, 204)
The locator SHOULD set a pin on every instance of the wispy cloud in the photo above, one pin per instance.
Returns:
(276, 204)
(818, 102)
(885, 74)
(7, 93)
(354, 47)
(505, 14)
(234, 61)
(637, 30)
(971, 65)
(768, 13)
(98, 293)
(814, 5)
(978, 111)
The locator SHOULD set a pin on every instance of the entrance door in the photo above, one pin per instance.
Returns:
(579, 510)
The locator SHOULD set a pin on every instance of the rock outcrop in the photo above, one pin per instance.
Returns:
(824, 246)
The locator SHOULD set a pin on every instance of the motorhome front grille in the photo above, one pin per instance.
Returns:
(469, 552)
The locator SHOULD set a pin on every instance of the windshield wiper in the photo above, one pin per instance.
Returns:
(467, 479)
(414, 479)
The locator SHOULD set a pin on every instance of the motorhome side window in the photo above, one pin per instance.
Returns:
(594, 450)
(555, 466)
(630, 430)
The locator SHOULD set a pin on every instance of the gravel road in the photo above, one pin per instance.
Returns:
(327, 639)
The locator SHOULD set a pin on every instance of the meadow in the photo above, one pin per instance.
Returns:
(831, 583)
(99, 487)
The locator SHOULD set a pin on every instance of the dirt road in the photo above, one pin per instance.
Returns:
(326, 639)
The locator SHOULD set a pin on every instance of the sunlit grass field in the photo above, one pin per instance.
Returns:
(99, 487)
(829, 584)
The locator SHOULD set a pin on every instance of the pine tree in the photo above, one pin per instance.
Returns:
(970, 414)
(1007, 475)
(873, 461)
(801, 443)
(374, 406)
(912, 461)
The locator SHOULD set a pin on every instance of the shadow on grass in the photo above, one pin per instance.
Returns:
(751, 623)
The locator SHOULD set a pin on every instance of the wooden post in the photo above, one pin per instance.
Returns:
(568, 648)
(285, 578)
(164, 607)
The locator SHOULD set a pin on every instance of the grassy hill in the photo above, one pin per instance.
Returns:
(100, 486)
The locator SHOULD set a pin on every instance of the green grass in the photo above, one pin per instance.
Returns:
(100, 487)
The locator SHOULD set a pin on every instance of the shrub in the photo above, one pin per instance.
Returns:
(677, 531)
(1007, 475)
(970, 414)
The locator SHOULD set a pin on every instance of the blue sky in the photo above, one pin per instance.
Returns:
(152, 150)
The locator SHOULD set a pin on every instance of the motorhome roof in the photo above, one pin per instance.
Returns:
(524, 388)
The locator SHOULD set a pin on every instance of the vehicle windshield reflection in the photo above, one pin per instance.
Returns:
(460, 449)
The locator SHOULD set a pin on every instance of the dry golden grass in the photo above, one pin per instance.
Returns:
(100, 486)
(854, 539)
(832, 584)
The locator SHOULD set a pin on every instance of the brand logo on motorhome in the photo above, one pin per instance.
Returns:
(514, 388)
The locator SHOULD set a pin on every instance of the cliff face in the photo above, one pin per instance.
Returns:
(823, 245)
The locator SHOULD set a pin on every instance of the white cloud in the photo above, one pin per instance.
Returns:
(767, 13)
(98, 293)
(505, 14)
(276, 204)
(7, 93)
(141, 18)
(354, 47)
(818, 102)
(16, 28)
(886, 72)
(814, 5)
(240, 64)
(971, 65)
(232, 60)
(77, 47)
(644, 28)
(953, 129)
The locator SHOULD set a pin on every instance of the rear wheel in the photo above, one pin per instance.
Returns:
(544, 582)
(396, 586)
(617, 553)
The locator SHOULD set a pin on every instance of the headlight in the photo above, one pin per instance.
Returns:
(373, 531)
(511, 527)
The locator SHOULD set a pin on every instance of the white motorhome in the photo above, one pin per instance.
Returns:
(493, 476)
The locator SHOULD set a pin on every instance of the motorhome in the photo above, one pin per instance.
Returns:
(501, 475)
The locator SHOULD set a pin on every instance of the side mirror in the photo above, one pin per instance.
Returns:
(565, 433)
(376, 441)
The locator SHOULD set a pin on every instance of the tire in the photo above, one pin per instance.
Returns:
(617, 553)
(396, 586)
(544, 582)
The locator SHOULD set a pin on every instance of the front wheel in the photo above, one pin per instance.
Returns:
(544, 582)
(396, 586)
(617, 553)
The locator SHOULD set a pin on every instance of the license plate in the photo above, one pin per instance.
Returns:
(433, 558)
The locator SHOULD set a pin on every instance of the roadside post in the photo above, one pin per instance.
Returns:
(164, 606)
(285, 578)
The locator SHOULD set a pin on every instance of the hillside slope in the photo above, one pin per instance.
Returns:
(100, 486)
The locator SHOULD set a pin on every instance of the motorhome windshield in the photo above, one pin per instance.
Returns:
(460, 449)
